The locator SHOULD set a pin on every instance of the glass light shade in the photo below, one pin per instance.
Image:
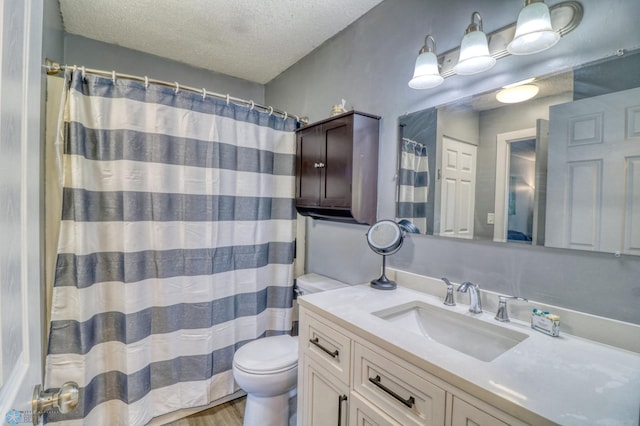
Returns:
(533, 31)
(426, 74)
(474, 54)
(513, 95)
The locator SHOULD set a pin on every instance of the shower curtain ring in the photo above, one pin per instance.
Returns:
(204, 93)
(146, 82)
(270, 110)
(227, 99)
(285, 116)
(253, 104)
(177, 87)
(83, 71)
(113, 76)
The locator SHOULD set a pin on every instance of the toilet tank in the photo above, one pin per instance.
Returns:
(314, 283)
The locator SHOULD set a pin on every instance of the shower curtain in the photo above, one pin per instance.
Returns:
(176, 246)
(413, 187)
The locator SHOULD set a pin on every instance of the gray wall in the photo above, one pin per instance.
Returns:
(369, 65)
(53, 32)
(90, 53)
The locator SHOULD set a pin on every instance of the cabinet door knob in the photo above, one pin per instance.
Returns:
(318, 165)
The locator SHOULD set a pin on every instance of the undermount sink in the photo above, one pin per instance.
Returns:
(479, 339)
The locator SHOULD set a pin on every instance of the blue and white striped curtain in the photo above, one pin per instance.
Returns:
(176, 247)
(413, 186)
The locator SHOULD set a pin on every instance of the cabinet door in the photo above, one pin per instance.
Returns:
(465, 414)
(310, 161)
(335, 188)
(325, 397)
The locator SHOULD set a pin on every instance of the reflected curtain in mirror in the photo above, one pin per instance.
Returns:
(413, 183)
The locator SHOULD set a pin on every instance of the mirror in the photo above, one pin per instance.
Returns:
(384, 237)
(561, 169)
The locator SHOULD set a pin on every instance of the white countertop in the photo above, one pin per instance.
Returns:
(567, 380)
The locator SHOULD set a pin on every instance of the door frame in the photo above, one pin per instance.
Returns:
(503, 163)
(24, 152)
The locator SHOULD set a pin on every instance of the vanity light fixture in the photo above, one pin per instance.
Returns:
(534, 32)
(474, 50)
(538, 28)
(426, 73)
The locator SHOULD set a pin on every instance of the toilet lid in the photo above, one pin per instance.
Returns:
(267, 355)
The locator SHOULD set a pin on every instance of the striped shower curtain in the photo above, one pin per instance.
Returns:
(413, 186)
(176, 246)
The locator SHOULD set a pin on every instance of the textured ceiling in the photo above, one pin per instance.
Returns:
(254, 40)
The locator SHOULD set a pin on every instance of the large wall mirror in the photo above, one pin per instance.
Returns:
(560, 169)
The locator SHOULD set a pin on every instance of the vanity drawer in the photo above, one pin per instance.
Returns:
(400, 392)
(328, 347)
(363, 413)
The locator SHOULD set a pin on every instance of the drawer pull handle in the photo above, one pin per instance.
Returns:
(315, 341)
(341, 399)
(408, 402)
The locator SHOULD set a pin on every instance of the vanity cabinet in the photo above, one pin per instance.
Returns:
(337, 168)
(344, 379)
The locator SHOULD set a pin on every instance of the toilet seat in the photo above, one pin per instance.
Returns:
(269, 355)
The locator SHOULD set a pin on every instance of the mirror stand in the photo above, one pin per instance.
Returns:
(383, 283)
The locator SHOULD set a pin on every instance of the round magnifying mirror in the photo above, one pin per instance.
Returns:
(384, 237)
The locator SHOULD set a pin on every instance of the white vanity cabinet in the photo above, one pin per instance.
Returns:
(346, 380)
(323, 373)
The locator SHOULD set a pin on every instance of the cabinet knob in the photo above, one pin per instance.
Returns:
(318, 165)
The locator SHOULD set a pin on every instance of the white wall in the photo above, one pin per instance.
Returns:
(369, 65)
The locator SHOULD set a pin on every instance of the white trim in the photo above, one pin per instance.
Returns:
(502, 172)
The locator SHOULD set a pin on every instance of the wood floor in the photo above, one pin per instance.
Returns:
(227, 414)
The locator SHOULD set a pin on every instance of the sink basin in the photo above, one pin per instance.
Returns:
(479, 339)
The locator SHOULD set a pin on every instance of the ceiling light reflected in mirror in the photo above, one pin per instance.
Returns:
(513, 95)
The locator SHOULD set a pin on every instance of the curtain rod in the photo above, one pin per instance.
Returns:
(54, 68)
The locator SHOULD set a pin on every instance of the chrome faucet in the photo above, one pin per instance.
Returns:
(448, 300)
(475, 304)
(503, 315)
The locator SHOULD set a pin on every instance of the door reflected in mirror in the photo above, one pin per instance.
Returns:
(561, 169)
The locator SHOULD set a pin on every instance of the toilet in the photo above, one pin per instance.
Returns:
(267, 368)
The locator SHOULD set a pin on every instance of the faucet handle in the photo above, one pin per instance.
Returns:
(502, 314)
(448, 300)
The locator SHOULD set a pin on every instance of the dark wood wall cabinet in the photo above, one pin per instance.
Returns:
(337, 168)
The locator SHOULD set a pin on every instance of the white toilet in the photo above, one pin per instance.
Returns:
(267, 368)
